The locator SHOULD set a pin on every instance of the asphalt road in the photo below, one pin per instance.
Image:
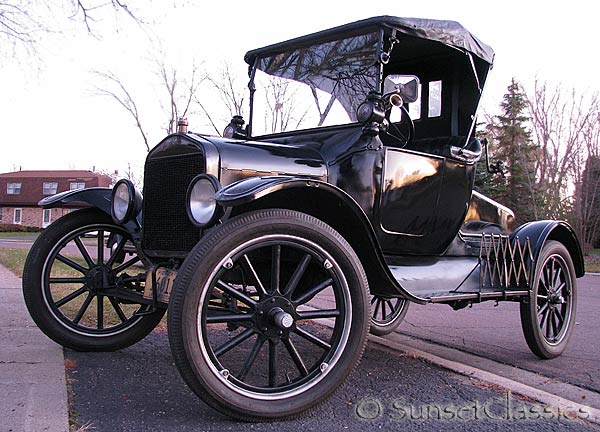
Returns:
(495, 332)
(140, 389)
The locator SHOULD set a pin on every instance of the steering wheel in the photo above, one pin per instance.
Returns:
(404, 130)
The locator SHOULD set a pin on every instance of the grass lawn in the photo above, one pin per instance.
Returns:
(14, 260)
(19, 234)
(592, 261)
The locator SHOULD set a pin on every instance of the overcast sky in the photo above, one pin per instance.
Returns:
(53, 119)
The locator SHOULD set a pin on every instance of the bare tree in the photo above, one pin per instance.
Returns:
(181, 92)
(114, 88)
(558, 120)
(586, 177)
(232, 93)
(24, 22)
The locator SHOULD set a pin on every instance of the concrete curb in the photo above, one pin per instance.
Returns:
(563, 404)
(32, 368)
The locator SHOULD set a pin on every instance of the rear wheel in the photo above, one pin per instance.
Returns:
(387, 314)
(268, 315)
(548, 318)
(67, 281)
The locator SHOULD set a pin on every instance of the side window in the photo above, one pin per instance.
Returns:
(13, 188)
(18, 216)
(435, 99)
(49, 188)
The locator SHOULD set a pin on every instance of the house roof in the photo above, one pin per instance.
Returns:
(32, 183)
(51, 173)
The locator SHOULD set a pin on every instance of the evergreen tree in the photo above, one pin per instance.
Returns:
(512, 143)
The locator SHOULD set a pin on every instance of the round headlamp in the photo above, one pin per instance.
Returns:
(125, 202)
(202, 207)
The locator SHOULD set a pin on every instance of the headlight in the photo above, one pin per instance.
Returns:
(125, 201)
(202, 207)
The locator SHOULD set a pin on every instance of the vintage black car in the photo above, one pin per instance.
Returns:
(277, 246)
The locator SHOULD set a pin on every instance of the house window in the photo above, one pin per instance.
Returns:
(76, 185)
(18, 216)
(49, 188)
(13, 188)
(46, 218)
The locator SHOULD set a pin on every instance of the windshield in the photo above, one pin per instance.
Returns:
(319, 85)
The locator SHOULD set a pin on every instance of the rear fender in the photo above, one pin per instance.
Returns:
(539, 232)
(327, 203)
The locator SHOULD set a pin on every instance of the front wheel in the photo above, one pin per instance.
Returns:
(268, 315)
(69, 279)
(548, 317)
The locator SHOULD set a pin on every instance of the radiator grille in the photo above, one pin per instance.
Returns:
(167, 229)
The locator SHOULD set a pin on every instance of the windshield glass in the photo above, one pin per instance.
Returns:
(319, 85)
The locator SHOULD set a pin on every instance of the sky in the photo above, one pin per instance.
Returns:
(52, 117)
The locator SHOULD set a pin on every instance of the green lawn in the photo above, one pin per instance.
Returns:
(13, 259)
(592, 261)
(19, 234)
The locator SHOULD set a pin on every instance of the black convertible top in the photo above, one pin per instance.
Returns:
(449, 33)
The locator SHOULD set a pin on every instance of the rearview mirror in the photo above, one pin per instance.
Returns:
(407, 86)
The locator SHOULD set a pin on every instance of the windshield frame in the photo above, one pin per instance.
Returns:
(377, 64)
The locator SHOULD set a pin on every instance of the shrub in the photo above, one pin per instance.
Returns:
(18, 228)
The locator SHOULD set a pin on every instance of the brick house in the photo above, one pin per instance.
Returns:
(20, 192)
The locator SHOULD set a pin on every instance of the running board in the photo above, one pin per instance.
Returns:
(501, 271)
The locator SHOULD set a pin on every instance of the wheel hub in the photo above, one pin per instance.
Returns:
(99, 278)
(275, 316)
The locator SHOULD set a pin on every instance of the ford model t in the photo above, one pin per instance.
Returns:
(342, 198)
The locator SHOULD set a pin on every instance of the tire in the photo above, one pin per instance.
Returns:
(244, 331)
(387, 314)
(548, 318)
(65, 274)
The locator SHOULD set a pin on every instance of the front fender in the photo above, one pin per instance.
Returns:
(331, 205)
(539, 232)
(96, 197)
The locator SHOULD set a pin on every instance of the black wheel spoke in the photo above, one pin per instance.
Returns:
(275, 268)
(252, 356)
(549, 324)
(559, 318)
(377, 307)
(272, 363)
(115, 253)
(70, 297)
(383, 311)
(117, 309)
(83, 308)
(84, 252)
(291, 348)
(544, 311)
(298, 273)
(313, 292)
(319, 313)
(227, 318)
(100, 307)
(66, 280)
(259, 286)
(126, 264)
(312, 338)
(236, 293)
(63, 259)
(233, 342)
(100, 247)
